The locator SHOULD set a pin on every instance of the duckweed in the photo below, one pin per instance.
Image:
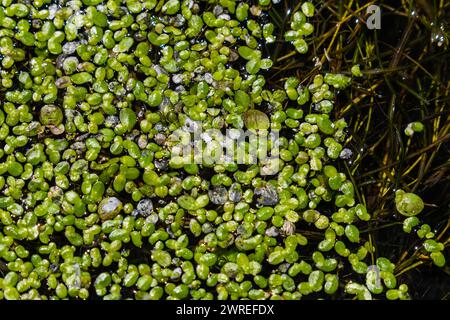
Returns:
(92, 201)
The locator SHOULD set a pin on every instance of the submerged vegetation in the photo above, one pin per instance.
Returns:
(352, 204)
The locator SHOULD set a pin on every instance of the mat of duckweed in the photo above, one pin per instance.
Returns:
(95, 205)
